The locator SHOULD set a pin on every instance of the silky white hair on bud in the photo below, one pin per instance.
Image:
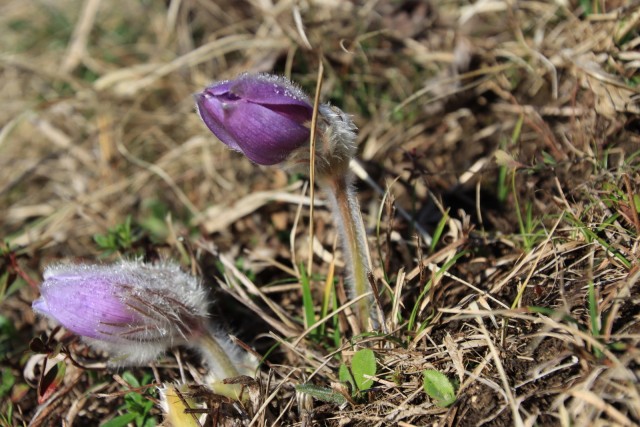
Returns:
(132, 310)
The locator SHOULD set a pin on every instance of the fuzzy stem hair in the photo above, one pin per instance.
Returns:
(223, 361)
(347, 216)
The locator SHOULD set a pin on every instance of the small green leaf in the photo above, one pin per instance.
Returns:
(117, 239)
(548, 159)
(439, 388)
(322, 393)
(363, 363)
(617, 346)
(131, 379)
(7, 380)
(104, 241)
(120, 421)
(345, 376)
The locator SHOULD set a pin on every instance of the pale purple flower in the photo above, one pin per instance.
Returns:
(263, 116)
(130, 309)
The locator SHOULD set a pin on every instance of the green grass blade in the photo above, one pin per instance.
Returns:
(437, 234)
(307, 299)
(591, 236)
(594, 317)
(440, 272)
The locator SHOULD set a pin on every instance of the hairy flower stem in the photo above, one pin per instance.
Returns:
(346, 214)
(222, 364)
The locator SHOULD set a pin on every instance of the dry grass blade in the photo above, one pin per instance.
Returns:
(506, 387)
(283, 323)
(79, 39)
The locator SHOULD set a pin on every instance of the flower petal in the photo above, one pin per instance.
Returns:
(265, 117)
(268, 89)
(211, 111)
(265, 136)
(84, 305)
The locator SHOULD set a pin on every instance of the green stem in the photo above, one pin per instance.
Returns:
(220, 364)
(223, 362)
(346, 213)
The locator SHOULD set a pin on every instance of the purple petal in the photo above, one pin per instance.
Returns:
(211, 111)
(265, 136)
(40, 306)
(84, 305)
(219, 88)
(296, 113)
(265, 117)
(269, 90)
(129, 309)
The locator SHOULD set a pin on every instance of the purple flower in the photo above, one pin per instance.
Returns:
(263, 116)
(130, 309)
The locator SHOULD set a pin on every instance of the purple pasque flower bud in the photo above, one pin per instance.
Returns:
(265, 117)
(130, 309)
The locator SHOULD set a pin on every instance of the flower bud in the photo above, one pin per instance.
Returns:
(132, 310)
(265, 117)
